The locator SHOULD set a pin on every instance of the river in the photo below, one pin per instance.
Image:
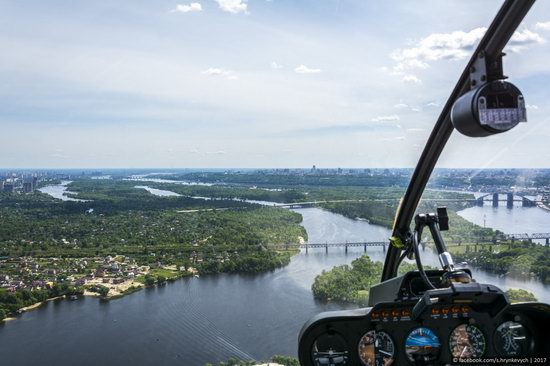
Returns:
(197, 320)
(513, 220)
(60, 191)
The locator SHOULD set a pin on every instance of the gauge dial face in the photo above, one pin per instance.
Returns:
(513, 339)
(376, 349)
(467, 341)
(422, 344)
(330, 350)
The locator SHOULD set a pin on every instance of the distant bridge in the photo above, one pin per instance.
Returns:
(512, 239)
(316, 203)
(525, 201)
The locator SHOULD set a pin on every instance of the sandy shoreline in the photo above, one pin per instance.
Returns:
(38, 304)
(115, 290)
(32, 307)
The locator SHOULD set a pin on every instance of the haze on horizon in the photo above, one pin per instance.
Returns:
(247, 84)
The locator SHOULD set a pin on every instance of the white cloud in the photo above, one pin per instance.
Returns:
(393, 117)
(437, 46)
(415, 130)
(453, 46)
(532, 106)
(275, 65)
(397, 138)
(233, 6)
(405, 106)
(303, 69)
(522, 39)
(219, 152)
(432, 104)
(214, 71)
(400, 68)
(193, 7)
(543, 25)
(411, 79)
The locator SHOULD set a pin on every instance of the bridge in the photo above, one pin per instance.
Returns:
(510, 199)
(316, 203)
(525, 201)
(345, 245)
(511, 239)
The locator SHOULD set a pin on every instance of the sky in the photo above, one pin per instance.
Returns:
(258, 83)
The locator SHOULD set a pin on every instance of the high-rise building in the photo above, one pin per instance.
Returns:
(8, 187)
(27, 187)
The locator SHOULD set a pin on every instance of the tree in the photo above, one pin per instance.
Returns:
(520, 295)
(285, 360)
(103, 291)
(149, 280)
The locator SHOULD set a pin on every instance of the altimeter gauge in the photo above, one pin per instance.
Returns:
(376, 349)
(467, 341)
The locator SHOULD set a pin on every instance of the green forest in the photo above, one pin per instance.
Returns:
(351, 283)
(523, 260)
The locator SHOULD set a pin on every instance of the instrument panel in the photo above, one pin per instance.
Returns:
(387, 335)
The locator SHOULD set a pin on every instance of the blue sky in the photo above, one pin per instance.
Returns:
(230, 83)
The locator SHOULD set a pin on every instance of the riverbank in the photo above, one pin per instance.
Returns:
(545, 207)
(109, 290)
(31, 307)
(38, 304)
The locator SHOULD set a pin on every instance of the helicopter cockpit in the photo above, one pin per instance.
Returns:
(441, 316)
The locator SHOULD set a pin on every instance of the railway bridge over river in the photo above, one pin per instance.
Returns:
(510, 239)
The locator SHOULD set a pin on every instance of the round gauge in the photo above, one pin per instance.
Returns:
(422, 345)
(513, 339)
(330, 350)
(467, 341)
(376, 349)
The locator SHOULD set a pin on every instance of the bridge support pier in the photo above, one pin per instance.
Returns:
(495, 199)
(384, 247)
(326, 248)
(365, 246)
(479, 201)
(510, 200)
(346, 248)
(526, 202)
(307, 246)
(547, 242)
